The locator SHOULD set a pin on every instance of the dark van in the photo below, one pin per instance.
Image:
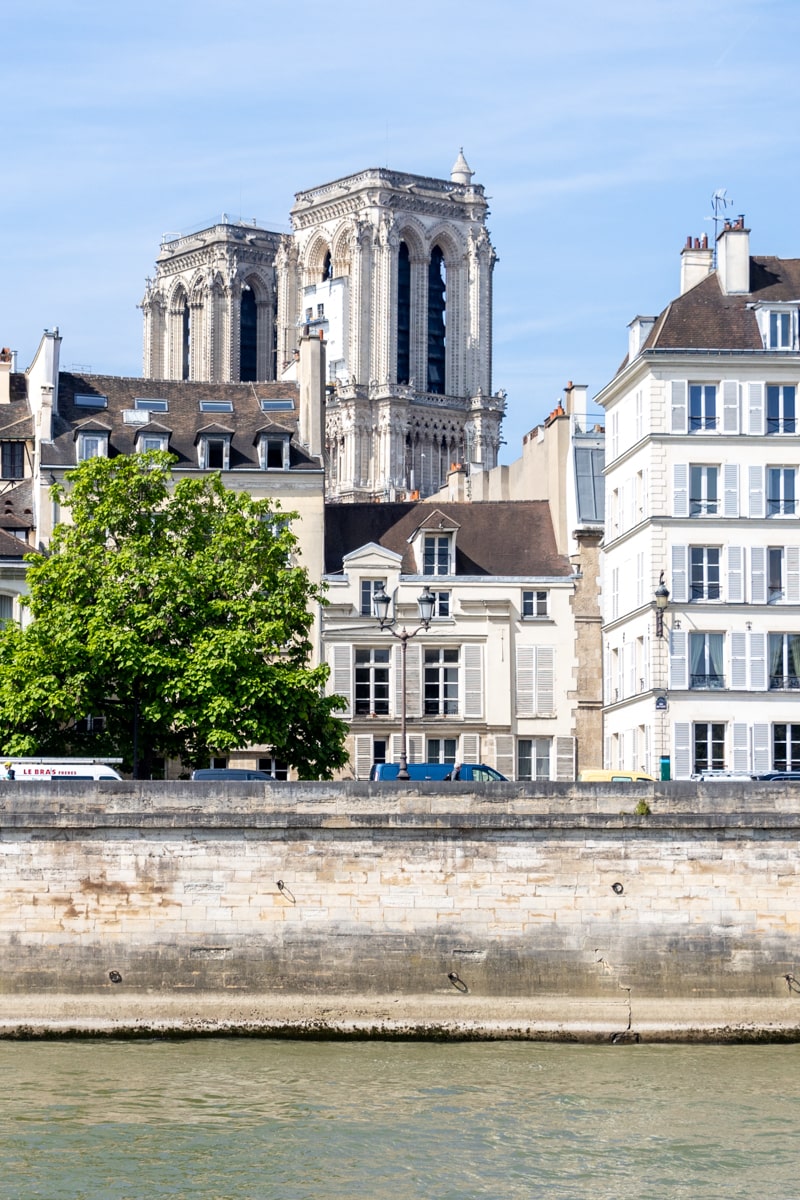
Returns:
(240, 773)
(463, 772)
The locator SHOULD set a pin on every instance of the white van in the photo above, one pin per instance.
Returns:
(34, 769)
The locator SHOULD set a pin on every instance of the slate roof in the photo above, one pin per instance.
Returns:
(184, 418)
(705, 319)
(16, 512)
(513, 538)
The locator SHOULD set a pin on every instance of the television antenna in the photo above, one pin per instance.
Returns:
(719, 202)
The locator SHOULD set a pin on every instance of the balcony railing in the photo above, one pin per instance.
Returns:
(784, 683)
(707, 681)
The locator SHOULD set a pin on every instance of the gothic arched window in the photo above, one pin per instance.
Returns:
(327, 267)
(403, 315)
(248, 333)
(437, 301)
(186, 339)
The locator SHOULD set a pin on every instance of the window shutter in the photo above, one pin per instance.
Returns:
(630, 669)
(740, 747)
(640, 578)
(755, 491)
(793, 574)
(615, 592)
(758, 662)
(526, 666)
(504, 755)
(755, 408)
(735, 574)
(739, 660)
(678, 666)
(565, 758)
(607, 675)
(760, 749)
(341, 674)
(473, 681)
(607, 752)
(471, 748)
(545, 681)
(758, 575)
(678, 423)
(363, 755)
(683, 750)
(680, 571)
(730, 490)
(413, 680)
(680, 490)
(414, 747)
(730, 406)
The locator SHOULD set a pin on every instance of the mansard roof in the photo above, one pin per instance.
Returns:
(184, 419)
(704, 318)
(503, 537)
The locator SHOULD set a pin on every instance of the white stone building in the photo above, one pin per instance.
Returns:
(702, 461)
(394, 271)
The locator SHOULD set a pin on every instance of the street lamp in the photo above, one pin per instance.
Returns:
(662, 600)
(425, 602)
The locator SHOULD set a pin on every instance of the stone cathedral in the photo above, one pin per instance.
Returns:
(394, 273)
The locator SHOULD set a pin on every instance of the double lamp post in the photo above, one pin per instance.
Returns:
(426, 603)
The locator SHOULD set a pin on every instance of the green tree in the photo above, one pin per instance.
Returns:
(176, 613)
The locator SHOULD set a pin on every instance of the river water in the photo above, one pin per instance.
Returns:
(279, 1120)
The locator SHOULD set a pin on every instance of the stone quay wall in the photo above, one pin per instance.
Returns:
(519, 890)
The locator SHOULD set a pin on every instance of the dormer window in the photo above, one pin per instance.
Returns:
(436, 554)
(214, 452)
(273, 452)
(92, 444)
(151, 441)
(778, 325)
(13, 460)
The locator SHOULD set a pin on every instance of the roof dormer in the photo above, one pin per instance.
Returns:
(434, 544)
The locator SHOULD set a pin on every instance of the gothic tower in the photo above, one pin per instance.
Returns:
(394, 272)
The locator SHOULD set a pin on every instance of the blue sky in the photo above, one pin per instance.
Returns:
(599, 130)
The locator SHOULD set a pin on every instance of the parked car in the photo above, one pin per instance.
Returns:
(787, 775)
(232, 773)
(596, 775)
(722, 776)
(469, 772)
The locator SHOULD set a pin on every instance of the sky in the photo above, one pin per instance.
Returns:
(600, 132)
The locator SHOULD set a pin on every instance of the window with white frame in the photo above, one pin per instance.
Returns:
(369, 590)
(784, 661)
(371, 682)
(6, 610)
(92, 445)
(704, 572)
(441, 682)
(785, 746)
(436, 554)
(709, 746)
(441, 750)
(441, 604)
(705, 660)
(533, 758)
(781, 491)
(535, 604)
(781, 408)
(703, 491)
(151, 441)
(780, 331)
(144, 404)
(702, 406)
(776, 574)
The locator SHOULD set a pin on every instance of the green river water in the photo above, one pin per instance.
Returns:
(279, 1120)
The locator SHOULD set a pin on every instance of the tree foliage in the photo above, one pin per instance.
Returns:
(175, 613)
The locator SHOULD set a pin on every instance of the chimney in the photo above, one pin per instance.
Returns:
(576, 396)
(697, 262)
(733, 258)
(638, 332)
(311, 380)
(6, 367)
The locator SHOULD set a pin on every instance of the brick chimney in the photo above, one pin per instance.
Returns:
(733, 258)
(697, 262)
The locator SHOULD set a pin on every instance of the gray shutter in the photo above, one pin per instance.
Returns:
(565, 758)
(758, 575)
(755, 491)
(741, 756)
(760, 749)
(363, 755)
(735, 556)
(758, 662)
(730, 490)
(526, 668)
(730, 406)
(738, 660)
(680, 574)
(414, 747)
(680, 490)
(545, 681)
(341, 676)
(755, 408)
(473, 681)
(793, 574)
(678, 664)
(682, 733)
(679, 416)
(470, 748)
(504, 755)
(413, 680)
